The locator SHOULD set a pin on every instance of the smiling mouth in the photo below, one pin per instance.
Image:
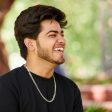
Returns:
(59, 49)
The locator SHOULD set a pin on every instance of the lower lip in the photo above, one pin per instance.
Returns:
(61, 53)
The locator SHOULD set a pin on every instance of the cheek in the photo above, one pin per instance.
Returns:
(46, 44)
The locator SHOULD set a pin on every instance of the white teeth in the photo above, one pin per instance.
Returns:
(59, 49)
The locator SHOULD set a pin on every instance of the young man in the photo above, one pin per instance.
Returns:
(34, 87)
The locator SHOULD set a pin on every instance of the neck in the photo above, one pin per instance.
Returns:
(41, 68)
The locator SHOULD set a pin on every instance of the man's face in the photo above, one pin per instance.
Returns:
(50, 42)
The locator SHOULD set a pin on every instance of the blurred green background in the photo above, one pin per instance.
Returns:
(88, 35)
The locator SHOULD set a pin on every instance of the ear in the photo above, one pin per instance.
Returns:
(29, 43)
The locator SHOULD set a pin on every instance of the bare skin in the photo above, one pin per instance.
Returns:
(47, 51)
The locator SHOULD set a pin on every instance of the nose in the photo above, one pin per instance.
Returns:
(61, 39)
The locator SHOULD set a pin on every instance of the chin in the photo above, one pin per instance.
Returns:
(56, 61)
(59, 62)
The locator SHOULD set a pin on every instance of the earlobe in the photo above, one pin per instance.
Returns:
(29, 43)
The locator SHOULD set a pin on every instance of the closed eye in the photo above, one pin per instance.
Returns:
(53, 35)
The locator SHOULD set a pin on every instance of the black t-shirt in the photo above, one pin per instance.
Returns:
(19, 94)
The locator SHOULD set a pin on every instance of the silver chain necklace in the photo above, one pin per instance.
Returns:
(52, 99)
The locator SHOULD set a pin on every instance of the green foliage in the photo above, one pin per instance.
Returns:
(83, 50)
(94, 109)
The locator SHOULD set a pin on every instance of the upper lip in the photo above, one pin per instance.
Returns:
(59, 47)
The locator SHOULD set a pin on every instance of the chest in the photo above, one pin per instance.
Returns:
(32, 101)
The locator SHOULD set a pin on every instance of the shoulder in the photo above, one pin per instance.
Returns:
(12, 74)
(10, 90)
(66, 82)
(12, 77)
(71, 89)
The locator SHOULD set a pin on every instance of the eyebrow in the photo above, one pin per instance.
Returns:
(54, 31)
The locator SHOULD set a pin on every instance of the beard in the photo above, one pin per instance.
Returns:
(44, 54)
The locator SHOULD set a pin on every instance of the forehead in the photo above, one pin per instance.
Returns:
(47, 25)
